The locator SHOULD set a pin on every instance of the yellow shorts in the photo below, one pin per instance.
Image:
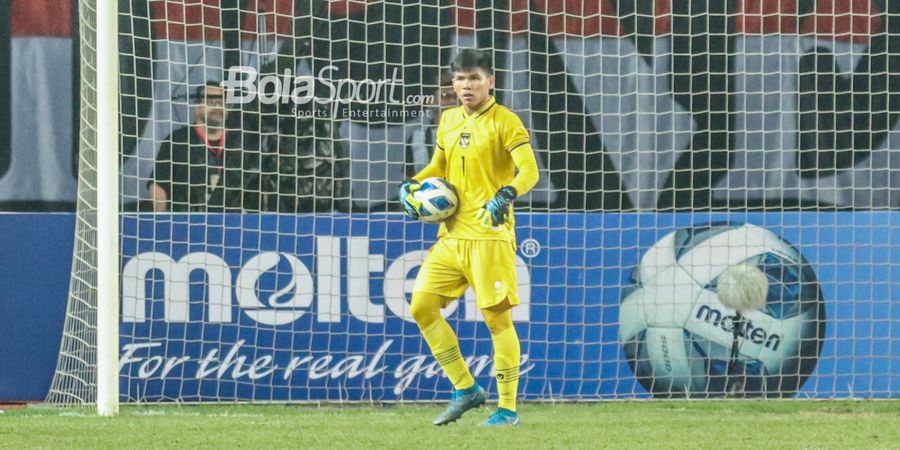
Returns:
(489, 267)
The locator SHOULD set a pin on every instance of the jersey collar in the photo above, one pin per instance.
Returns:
(488, 105)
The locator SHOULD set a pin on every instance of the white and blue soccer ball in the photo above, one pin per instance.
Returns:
(677, 333)
(439, 200)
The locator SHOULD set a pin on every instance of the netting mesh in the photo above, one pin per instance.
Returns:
(75, 379)
(264, 256)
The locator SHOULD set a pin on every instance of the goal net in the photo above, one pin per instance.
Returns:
(686, 148)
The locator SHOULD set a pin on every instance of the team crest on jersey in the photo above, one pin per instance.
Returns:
(464, 140)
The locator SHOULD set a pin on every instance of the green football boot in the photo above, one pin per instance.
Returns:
(502, 418)
(461, 401)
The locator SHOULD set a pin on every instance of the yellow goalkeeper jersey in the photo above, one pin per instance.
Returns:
(479, 153)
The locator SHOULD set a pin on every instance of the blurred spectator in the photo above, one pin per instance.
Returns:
(205, 167)
(306, 166)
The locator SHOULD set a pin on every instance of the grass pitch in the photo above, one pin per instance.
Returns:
(640, 424)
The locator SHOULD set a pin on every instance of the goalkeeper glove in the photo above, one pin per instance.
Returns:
(410, 204)
(496, 211)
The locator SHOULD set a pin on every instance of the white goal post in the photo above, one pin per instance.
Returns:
(108, 255)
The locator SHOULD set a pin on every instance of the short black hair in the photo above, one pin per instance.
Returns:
(472, 58)
(200, 93)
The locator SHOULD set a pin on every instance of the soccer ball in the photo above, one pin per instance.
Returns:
(677, 333)
(439, 200)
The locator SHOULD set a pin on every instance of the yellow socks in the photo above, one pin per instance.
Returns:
(445, 348)
(506, 363)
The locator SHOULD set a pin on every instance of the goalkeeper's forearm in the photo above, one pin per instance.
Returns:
(526, 164)
(436, 168)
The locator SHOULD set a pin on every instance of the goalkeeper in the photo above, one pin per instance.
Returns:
(480, 146)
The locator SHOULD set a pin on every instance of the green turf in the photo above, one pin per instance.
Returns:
(719, 425)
